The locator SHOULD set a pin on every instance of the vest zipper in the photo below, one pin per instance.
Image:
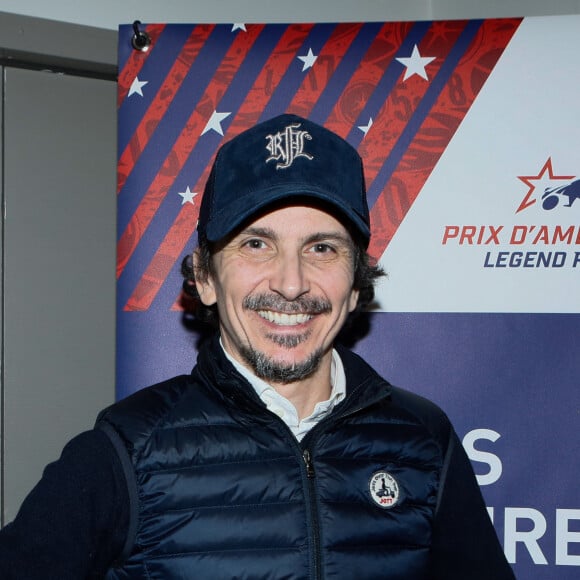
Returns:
(308, 461)
(309, 439)
(313, 508)
(308, 487)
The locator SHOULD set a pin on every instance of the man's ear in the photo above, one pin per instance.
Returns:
(203, 282)
(353, 300)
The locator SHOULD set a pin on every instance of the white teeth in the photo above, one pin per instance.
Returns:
(284, 319)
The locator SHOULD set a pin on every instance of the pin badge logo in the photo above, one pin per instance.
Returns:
(384, 489)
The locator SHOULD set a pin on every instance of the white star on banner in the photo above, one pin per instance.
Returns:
(136, 87)
(308, 60)
(187, 196)
(215, 123)
(415, 64)
(365, 128)
(239, 26)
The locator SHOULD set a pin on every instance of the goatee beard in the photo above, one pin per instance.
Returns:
(271, 371)
(267, 368)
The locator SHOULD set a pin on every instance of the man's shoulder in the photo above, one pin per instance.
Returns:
(159, 394)
(413, 409)
(423, 409)
(141, 412)
(407, 403)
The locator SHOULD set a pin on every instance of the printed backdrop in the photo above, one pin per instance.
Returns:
(469, 131)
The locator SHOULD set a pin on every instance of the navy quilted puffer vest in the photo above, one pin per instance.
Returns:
(222, 489)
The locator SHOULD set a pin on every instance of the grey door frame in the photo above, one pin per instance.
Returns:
(28, 42)
(39, 44)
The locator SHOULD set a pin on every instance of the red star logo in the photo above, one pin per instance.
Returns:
(544, 177)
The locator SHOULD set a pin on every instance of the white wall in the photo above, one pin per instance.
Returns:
(110, 13)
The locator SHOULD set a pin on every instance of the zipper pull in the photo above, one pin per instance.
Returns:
(308, 462)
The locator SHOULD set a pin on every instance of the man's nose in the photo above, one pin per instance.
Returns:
(289, 278)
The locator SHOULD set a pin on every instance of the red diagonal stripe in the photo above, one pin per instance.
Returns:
(363, 82)
(402, 102)
(161, 102)
(437, 130)
(136, 62)
(328, 59)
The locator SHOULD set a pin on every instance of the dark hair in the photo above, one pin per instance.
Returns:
(366, 272)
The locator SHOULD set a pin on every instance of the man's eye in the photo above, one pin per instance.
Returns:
(322, 248)
(254, 244)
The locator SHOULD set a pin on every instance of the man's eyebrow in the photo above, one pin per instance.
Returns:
(330, 236)
(256, 231)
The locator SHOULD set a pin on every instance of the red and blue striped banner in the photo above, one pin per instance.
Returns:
(468, 130)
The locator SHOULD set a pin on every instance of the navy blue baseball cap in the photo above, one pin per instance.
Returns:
(284, 159)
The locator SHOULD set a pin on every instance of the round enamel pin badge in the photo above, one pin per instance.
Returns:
(384, 489)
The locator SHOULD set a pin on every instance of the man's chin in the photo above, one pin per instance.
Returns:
(275, 370)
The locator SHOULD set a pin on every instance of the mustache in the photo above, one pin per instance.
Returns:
(302, 304)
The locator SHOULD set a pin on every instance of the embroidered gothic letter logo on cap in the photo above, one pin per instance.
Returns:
(286, 146)
(384, 489)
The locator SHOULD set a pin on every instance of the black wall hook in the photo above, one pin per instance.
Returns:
(140, 40)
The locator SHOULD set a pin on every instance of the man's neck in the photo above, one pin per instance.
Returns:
(305, 394)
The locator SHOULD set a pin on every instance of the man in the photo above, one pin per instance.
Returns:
(282, 455)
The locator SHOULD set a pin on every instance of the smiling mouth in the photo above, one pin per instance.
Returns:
(284, 318)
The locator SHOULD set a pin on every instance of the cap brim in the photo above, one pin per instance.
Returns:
(254, 203)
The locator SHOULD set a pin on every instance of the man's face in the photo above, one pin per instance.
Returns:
(283, 288)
